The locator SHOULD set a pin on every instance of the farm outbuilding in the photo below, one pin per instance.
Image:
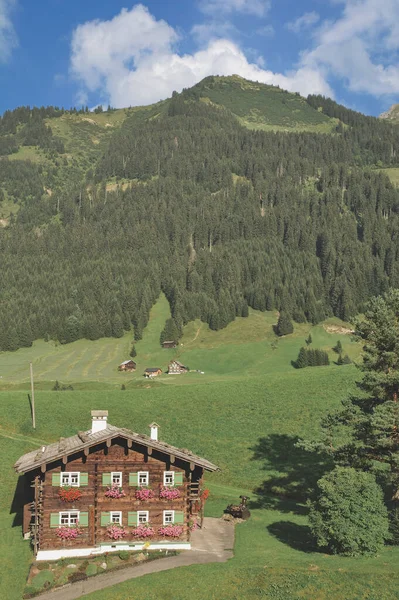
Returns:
(110, 489)
(176, 368)
(127, 365)
(152, 372)
(169, 344)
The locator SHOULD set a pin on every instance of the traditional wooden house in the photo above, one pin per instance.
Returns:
(152, 372)
(176, 368)
(109, 489)
(127, 365)
(169, 344)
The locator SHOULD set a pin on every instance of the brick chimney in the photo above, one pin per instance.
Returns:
(98, 420)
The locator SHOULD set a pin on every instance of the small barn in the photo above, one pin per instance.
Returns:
(127, 365)
(152, 372)
(176, 368)
(169, 344)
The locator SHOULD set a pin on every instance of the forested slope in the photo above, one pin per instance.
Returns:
(216, 215)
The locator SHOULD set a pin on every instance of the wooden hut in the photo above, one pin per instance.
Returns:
(169, 344)
(151, 372)
(127, 365)
(176, 368)
(91, 482)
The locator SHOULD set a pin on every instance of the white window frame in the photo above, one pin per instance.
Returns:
(168, 512)
(145, 475)
(167, 474)
(69, 513)
(66, 479)
(142, 514)
(117, 514)
(116, 474)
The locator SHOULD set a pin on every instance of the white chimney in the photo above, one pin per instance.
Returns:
(154, 431)
(98, 420)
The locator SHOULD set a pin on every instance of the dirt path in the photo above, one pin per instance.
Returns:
(213, 543)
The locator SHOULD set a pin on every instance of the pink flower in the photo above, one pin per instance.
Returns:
(144, 494)
(142, 531)
(114, 491)
(171, 531)
(169, 493)
(68, 533)
(116, 532)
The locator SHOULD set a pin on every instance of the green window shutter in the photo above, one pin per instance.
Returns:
(132, 518)
(179, 517)
(54, 520)
(84, 519)
(56, 479)
(105, 519)
(134, 479)
(106, 478)
(84, 479)
(178, 478)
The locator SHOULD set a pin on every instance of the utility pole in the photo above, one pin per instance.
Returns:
(33, 397)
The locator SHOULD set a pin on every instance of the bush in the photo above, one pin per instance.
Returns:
(77, 576)
(124, 555)
(91, 570)
(83, 566)
(30, 592)
(42, 580)
(349, 516)
(42, 566)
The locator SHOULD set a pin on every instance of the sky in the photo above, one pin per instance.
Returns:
(89, 52)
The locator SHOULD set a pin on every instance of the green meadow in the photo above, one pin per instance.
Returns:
(245, 413)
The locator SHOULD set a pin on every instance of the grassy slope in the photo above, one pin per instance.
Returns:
(263, 404)
(260, 106)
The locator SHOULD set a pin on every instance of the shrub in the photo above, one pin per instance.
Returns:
(42, 580)
(77, 576)
(349, 516)
(42, 566)
(124, 555)
(91, 570)
(83, 566)
(30, 592)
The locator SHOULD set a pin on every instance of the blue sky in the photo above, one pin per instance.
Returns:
(73, 52)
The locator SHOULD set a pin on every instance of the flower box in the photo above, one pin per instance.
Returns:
(144, 494)
(116, 532)
(143, 531)
(169, 493)
(114, 491)
(68, 533)
(69, 494)
(174, 531)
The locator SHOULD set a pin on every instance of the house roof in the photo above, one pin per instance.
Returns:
(86, 439)
(126, 362)
(179, 364)
(152, 369)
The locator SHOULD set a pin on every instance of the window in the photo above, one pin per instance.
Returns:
(143, 477)
(168, 478)
(67, 519)
(168, 517)
(116, 478)
(115, 518)
(70, 479)
(142, 516)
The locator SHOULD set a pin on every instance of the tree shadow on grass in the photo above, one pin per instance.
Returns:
(296, 536)
(292, 473)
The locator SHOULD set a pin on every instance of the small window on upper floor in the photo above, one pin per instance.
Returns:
(116, 478)
(70, 479)
(143, 478)
(142, 516)
(168, 478)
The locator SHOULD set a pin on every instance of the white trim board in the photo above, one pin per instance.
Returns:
(98, 550)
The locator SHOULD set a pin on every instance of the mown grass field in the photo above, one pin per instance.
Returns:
(245, 414)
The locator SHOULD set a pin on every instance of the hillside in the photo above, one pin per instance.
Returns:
(392, 114)
(112, 208)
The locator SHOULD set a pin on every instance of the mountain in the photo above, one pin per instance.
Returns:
(114, 207)
(392, 114)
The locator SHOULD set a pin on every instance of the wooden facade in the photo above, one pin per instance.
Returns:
(176, 368)
(169, 344)
(96, 465)
(152, 372)
(127, 365)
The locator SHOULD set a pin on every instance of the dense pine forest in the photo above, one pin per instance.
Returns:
(182, 198)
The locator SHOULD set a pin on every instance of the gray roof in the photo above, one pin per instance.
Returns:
(86, 439)
(152, 369)
(125, 362)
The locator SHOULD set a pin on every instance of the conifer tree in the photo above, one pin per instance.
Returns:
(284, 324)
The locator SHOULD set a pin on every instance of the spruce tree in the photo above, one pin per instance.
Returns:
(133, 352)
(284, 324)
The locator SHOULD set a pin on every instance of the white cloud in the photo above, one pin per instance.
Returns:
(8, 38)
(205, 32)
(361, 47)
(303, 22)
(251, 7)
(266, 31)
(132, 60)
